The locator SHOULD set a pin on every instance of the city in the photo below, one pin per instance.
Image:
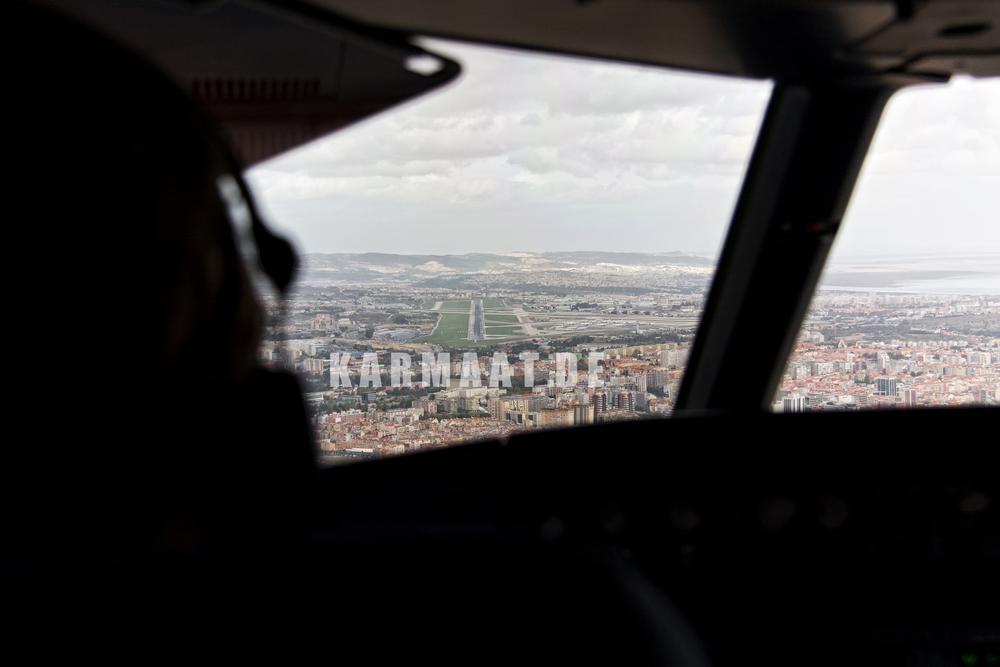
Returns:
(401, 353)
(894, 350)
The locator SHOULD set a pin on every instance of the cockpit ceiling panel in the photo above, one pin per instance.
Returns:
(272, 79)
(781, 39)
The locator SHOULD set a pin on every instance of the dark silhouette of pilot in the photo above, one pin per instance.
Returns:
(133, 327)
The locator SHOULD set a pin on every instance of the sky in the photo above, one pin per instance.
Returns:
(538, 153)
(931, 180)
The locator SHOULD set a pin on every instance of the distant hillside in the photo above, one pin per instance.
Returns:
(376, 266)
(629, 258)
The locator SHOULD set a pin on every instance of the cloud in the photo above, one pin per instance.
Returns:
(539, 152)
(930, 180)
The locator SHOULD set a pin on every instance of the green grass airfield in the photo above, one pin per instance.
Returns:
(453, 326)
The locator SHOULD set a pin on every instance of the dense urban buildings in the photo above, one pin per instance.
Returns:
(878, 350)
(395, 357)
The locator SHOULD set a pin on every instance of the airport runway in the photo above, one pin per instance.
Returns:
(477, 321)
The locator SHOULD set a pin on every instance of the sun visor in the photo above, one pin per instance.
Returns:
(271, 77)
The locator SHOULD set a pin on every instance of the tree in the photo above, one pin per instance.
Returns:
(369, 331)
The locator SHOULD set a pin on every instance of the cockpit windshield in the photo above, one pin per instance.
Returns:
(529, 247)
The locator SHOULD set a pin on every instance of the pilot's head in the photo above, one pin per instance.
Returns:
(132, 312)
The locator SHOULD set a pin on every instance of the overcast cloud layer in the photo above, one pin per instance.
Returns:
(540, 153)
(931, 182)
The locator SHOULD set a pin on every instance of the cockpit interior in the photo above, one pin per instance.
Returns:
(725, 536)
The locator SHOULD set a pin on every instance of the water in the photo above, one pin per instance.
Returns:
(949, 274)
